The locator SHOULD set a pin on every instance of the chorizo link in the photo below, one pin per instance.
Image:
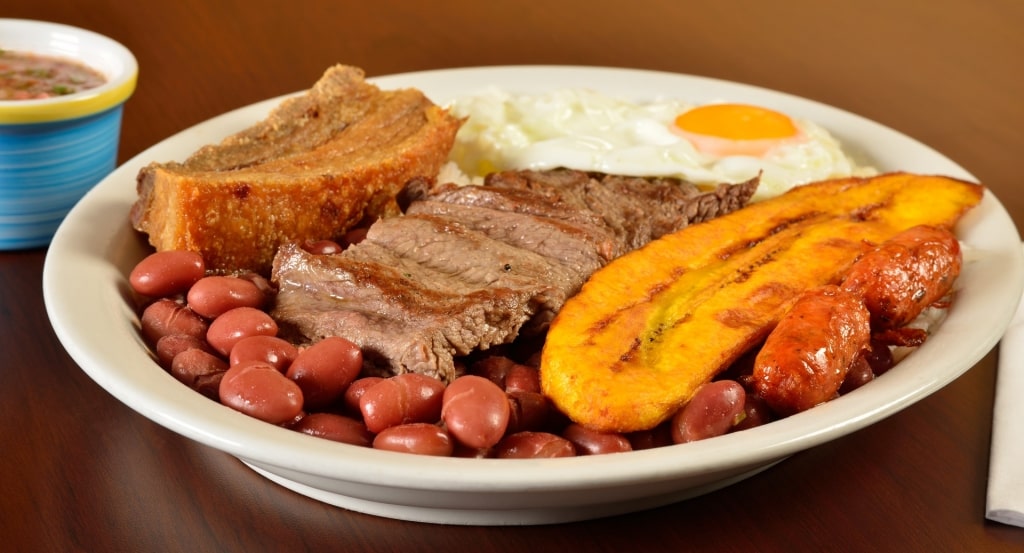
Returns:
(806, 357)
(905, 274)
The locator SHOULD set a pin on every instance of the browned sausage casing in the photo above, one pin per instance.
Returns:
(805, 359)
(905, 274)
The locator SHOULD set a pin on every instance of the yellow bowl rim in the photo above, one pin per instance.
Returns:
(80, 104)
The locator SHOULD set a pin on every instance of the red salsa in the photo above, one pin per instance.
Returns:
(26, 76)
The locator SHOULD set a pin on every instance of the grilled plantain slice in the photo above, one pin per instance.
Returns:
(652, 326)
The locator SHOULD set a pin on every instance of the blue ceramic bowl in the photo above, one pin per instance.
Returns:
(54, 150)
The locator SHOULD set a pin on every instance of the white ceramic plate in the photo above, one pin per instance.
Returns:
(85, 288)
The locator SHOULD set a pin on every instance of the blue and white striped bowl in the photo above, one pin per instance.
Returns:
(54, 150)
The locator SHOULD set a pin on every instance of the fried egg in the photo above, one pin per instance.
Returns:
(589, 131)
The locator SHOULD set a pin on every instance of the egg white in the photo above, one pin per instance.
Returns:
(586, 130)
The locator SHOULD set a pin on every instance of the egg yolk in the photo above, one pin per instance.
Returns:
(735, 129)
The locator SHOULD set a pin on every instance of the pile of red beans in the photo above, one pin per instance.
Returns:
(214, 334)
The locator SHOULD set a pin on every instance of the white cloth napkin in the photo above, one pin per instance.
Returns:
(1006, 464)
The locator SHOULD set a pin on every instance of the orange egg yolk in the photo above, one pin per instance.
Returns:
(735, 129)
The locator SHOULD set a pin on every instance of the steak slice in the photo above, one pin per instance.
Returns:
(469, 268)
(636, 209)
(406, 317)
(469, 258)
(581, 249)
(543, 198)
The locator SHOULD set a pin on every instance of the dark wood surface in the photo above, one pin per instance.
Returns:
(81, 472)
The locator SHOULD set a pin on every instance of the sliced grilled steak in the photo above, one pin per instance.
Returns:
(582, 249)
(469, 268)
(404, 321)
(543, 199)
(469, 258)
(637, 210)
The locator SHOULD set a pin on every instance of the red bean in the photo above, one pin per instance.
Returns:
(592, 442)
(528, 411)
(659, 436)
(533, 445)
(493, 368)
(522, 378)
(507, 374)
(879, 357)
(270, 349)
(476, 411)
(214, 295)
(325, 369)
(228, 329)
(466, 452)
(711, 412)
(200, 370)
(165, 317)
(355, 391)
(859, 374)
(338, 428)
(354, 236)
(298, 417)
(322, 247)
(260, 281)
(261, 391)
(401, 399)
(755, 413)
(173, 344)
(418, 437)
(163, 274)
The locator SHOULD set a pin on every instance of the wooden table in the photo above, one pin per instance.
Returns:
(81, 472)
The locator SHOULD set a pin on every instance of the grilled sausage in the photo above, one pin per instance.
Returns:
(806, 357)
(905, 274)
